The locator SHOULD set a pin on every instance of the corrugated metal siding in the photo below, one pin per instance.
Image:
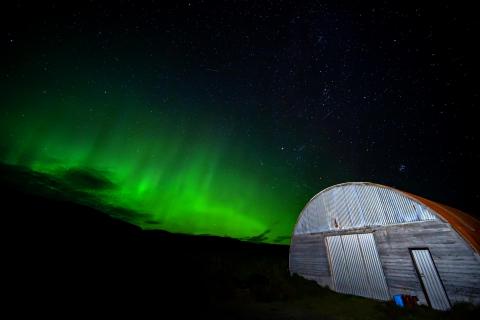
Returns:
(431, 280)
(370, 200)
(376, 278)
(340, 272)
(315, 220)
(354, 208)
(329, 204)
(357, 205)
(356, 267)
(342, 213)
(358, 274)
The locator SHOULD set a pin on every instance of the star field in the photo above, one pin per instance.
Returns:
(226, 117)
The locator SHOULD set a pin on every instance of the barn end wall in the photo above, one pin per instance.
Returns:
(308, 258)
(457, 264)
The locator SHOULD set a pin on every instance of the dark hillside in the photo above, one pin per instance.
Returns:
(62, 255)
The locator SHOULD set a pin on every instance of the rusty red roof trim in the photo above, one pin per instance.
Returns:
(466, 225)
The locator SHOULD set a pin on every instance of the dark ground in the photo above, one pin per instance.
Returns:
(62, 258)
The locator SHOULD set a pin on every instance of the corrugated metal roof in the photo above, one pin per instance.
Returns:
(358, 204)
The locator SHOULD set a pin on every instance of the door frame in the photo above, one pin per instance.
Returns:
(420, 278)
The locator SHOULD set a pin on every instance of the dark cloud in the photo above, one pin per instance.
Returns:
(152, 222)
(131, 216)
(262, 237)
(71, 184)
(77, 185)
(32, 182)
(87, 179)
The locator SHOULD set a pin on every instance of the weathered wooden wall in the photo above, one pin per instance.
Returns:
(457, 264)
(308, 258)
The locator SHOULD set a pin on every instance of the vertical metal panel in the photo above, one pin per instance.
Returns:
(395, 203)
(426, 213)
(314, 217)
(341, 213)
(322, 218)
(365, 202)
(375, 206)
(356, 267)
(338, 265)
(408, 210)
(423, 212)
(397, 206)
(356, 210)
(349, 199)
(358, 275)
(376, 277)
(384, 205)
(329, 203)
(418, 211)
(388, 208)
(301, 228)
(430, 279)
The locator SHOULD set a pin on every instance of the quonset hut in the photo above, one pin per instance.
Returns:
(374, 241)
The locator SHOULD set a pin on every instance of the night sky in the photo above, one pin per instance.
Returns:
(225, 118)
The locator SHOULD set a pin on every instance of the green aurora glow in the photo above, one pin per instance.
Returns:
(177, 164)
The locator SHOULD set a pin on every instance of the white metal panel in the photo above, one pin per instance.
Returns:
(314, 218)
(329, 204)
(388, 207)
(358, 275)
(408, 210)
(341, 214)
(376, 277)
(427, 214)
(349, 199)
(338, 265)
(430, 279)
(372, 204)
(365, 202)
(397, 205)
(321, 217)
(382, 214)
(356, 267)
(355, 208)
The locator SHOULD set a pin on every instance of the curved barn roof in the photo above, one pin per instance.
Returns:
(466, 225)
(360, 204)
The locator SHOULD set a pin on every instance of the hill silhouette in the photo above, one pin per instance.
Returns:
(61, 255)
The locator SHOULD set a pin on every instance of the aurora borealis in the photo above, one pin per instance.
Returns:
(180, 166)
(177, 169)
(201, 119)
